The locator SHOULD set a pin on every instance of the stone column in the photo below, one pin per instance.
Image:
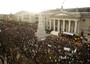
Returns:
(46, 25)
(58, 25)
(54, 24)
(63, 25)
(50, 24)
(75, 29)
(69, 25)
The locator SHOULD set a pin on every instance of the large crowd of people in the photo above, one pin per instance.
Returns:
(19, 45)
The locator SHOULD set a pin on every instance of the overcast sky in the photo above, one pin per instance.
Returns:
(13, 6)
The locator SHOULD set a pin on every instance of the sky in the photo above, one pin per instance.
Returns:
(13, 6)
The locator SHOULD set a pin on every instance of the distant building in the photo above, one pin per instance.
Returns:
(1, 16)
(68, 20)
(25, 16)
(7, 17)
(22, 16)
(36, 17)
(12, 17)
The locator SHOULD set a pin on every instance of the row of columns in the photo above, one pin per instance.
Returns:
(63, 26)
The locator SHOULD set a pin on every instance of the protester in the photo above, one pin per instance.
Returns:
(19, 45)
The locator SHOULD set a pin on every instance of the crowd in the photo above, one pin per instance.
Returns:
(19, 45)
(13, 39)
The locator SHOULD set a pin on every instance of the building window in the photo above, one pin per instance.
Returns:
(83, 19)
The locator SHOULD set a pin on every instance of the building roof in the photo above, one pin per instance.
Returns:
(85, 9)
(83, 12)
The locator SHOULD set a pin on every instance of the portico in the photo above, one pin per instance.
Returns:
(64, 25)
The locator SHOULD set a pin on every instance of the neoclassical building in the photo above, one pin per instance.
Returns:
(68, 20)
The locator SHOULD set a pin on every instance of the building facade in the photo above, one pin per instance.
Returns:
(75, 21)
(25, 16)
(7, 17)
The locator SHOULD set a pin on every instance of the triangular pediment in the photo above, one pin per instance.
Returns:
(66, 14)
(61, 14)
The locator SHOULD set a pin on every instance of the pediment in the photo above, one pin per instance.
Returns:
(66, 14)
(61, 14)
